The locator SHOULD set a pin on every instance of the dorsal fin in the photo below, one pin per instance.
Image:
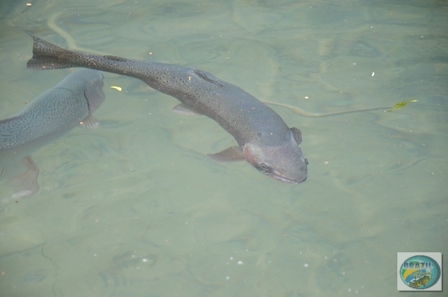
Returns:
(208, 77)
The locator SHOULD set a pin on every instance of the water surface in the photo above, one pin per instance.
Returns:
(135, 208)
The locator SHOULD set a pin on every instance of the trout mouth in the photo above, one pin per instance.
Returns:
(279, 175)
(287, 180)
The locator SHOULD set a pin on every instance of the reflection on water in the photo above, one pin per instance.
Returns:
(134, 208)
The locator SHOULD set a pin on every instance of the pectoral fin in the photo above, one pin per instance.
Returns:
(184, 109)
(90, 122)
(231, 154)
(26, 183)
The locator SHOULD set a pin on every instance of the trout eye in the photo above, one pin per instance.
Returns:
(265, 168)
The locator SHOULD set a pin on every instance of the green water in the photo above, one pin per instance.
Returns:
(135, 208)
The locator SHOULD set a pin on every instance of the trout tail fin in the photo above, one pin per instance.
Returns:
(48, 56)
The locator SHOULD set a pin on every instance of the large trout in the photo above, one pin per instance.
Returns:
(58, 110)
(264, 140)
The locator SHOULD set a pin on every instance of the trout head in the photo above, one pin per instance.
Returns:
(283, 161)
